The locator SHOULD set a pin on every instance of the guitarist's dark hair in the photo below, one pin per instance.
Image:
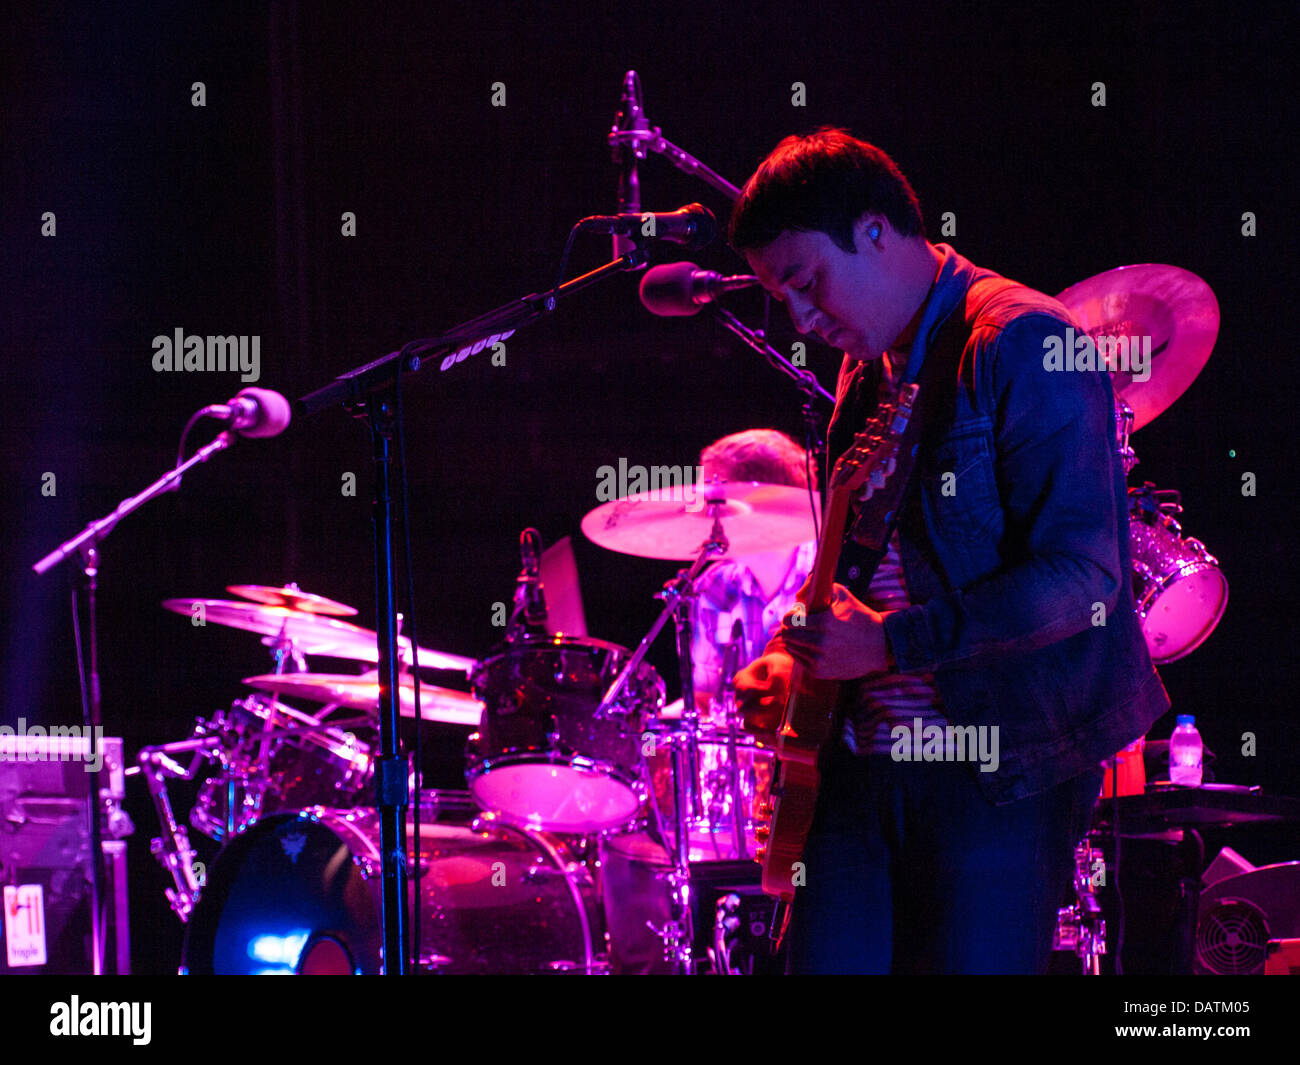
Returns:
(823, 181)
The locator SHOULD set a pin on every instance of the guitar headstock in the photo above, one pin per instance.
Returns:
(868, 464)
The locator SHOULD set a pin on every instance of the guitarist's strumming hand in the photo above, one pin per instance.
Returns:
(844, 642)
(761, 689)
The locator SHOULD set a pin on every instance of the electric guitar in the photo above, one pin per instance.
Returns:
(809, 718)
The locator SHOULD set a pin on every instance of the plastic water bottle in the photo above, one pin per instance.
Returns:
(1185, 753)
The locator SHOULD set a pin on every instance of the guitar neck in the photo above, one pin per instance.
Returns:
(818, 596)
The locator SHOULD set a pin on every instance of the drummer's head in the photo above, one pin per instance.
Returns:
(833, 229)
(764, 455)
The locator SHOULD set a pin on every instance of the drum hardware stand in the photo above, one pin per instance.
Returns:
(528, 618)
(286, 653)
(1123, 430)
(1080, 926)
(725, 926)
(172, 848)
(805, 380)
(678, 934)
(1155, 501)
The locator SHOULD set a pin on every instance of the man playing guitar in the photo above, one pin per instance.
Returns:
(1002, 603)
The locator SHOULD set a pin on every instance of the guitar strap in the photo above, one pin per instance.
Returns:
(866, 541)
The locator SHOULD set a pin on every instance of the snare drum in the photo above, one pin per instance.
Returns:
(302, 894)
(1179, 590)
(542, 758)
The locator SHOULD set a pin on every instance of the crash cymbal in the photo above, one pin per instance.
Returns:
(674, 523)
(312, 634)
(362, 693)
(1172, 306)
(292, 598)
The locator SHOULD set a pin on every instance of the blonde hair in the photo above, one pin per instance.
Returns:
(758, 455)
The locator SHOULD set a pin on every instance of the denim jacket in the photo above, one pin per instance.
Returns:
(1014, 537)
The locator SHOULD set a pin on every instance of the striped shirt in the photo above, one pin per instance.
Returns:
(874, 705)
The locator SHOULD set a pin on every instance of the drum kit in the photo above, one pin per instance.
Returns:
(601, 830)
(1178, 589)
(594, 814)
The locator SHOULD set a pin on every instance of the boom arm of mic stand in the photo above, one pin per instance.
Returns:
(373, 378)
(653, 140)
(805, 379)
(96, 531)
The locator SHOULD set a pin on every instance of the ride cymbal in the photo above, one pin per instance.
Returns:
(674, 523)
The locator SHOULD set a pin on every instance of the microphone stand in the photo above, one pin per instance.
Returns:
(86, 544)
(632, 137)
(371, 391)
(805, 380)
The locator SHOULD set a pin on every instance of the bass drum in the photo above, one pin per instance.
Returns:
(302, 894)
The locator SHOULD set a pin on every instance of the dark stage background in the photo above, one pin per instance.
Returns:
(226, 219)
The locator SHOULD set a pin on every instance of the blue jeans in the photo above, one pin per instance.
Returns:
(909, 869)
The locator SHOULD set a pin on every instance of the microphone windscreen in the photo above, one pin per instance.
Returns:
(274, 413)
(666, 290)
(704, 228)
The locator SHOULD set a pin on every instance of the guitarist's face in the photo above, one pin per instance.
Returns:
(860, 303)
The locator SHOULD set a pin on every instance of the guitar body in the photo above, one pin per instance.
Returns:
(807, 726)
(809, 718)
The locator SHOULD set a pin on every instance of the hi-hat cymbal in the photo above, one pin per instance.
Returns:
(1172, 306)
(292, 598)
(674, 523)
(362, 693)
(312, 634)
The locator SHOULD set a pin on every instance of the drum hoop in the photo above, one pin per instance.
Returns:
(554, 643)
(581, 762)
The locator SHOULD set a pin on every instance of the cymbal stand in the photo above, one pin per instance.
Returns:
(172, 848)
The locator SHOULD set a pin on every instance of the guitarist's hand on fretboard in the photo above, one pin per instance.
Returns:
(844, 642)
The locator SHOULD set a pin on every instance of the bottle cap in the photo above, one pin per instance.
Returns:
(1186, 719)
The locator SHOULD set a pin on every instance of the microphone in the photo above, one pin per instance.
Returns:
(530, 599)
(677, 290)
(255, 412)
(692, 225)
(629, 150)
